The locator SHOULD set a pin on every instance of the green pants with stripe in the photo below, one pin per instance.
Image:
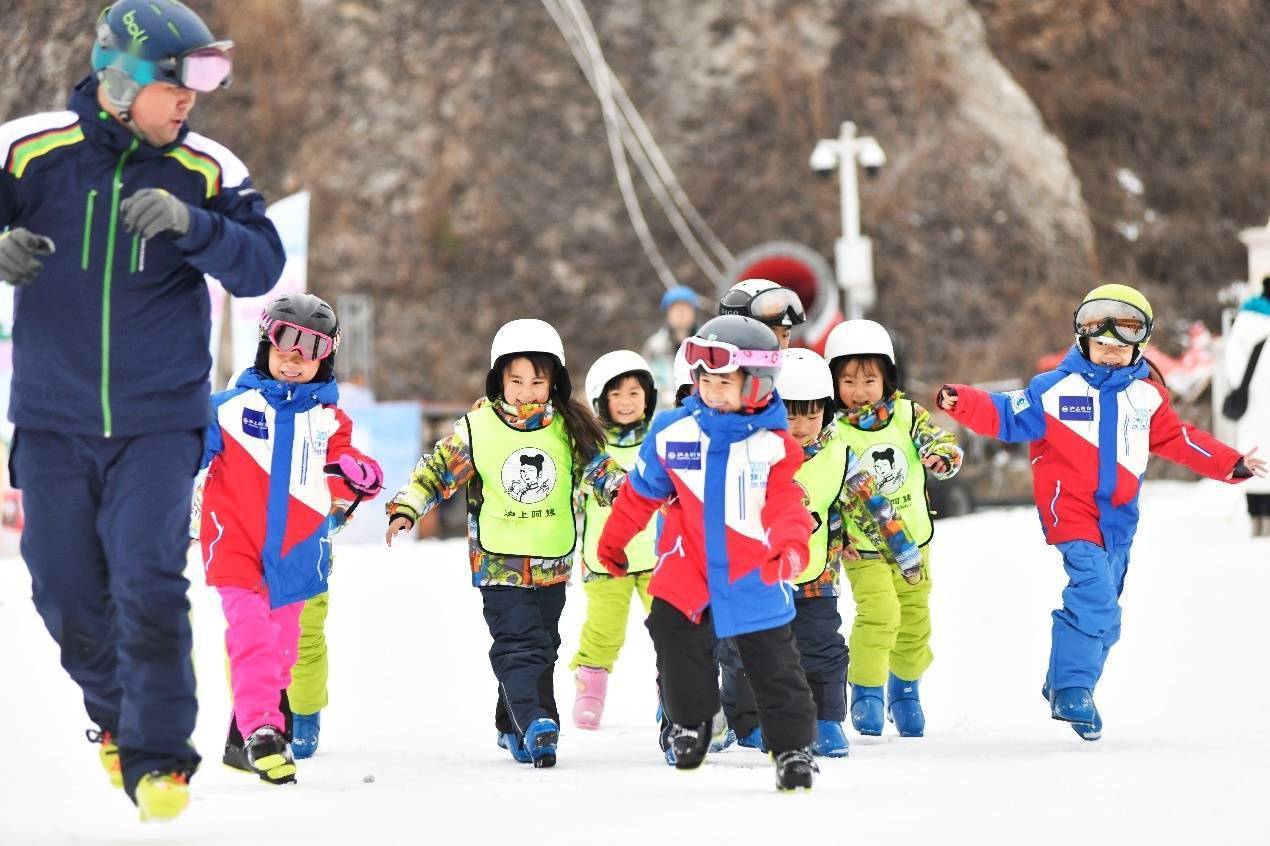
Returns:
(608, 607)
(891, 630)
(307, 693)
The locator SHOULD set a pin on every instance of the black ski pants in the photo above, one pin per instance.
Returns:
(686, 664)
(822, 651)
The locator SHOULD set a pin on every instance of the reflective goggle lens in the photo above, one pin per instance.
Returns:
(312, 346)
(207, 69)
(719, 357)
(1124, 322)
(778, 305)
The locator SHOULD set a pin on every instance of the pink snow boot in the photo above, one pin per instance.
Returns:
(592, 683)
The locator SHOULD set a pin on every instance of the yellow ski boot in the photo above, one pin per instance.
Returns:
(163, 795)
(108, 753)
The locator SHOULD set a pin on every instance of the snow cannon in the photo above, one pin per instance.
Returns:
(805, 272)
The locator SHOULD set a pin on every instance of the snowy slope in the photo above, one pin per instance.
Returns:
(1184, 754)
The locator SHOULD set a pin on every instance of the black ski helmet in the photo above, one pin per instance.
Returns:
(308, 312)
(745, 333)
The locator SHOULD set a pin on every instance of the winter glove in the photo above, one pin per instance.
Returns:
(153, 211)
(612, 559)
(783, 566)
(363, 475)
(18, 249)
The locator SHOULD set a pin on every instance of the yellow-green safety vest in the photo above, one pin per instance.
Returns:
(527, 487)
(821, 477)
(890, 455)
(641, 552)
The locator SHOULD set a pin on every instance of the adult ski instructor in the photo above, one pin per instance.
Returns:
(115, 210)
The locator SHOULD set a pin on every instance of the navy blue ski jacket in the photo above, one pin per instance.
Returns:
(112, 338)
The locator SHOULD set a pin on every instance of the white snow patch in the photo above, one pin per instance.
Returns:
(1129, 181)
(412, 698)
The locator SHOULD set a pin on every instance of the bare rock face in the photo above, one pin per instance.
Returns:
(461, 174)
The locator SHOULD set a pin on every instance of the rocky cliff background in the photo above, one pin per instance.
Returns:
(461, 176)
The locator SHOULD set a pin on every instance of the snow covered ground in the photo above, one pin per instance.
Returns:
(1183, 757)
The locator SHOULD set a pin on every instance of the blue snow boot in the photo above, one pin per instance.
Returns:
(540, 741)
(831, 740)
(867, 710)
(904, 708)
(304, 730)
(509, 741)
(1075, 705)
(753, 740)
(723, 741)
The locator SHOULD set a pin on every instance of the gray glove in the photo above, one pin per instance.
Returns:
(153, 211)
(18, 249)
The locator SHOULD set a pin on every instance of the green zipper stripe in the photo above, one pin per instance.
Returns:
(88, 228)
(31, 149)
(115, 187)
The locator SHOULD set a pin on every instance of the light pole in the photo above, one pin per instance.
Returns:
(852, 252)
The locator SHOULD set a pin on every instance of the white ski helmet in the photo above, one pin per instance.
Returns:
(804, 376)
(859, 337)
(612, 365)
(784, 309)
(683, 373)
(527, 335)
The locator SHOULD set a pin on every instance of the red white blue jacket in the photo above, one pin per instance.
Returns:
(1092, 429)
(729, 479)
(265, 522)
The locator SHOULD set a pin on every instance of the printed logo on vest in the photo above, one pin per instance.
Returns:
(683, 455)
(529, 475)
(1076, 408)
(254, 424)
(889, 466)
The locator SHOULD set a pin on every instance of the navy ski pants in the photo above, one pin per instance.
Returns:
(107, 529)
(525, 626)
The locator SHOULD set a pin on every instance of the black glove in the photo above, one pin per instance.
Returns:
(18, 249)
(1241, 471)
(153, 211)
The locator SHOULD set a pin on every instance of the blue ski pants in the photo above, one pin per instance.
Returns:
(1088, 624)
(107, 529)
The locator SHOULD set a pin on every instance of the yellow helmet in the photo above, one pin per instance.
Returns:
(1114, 312)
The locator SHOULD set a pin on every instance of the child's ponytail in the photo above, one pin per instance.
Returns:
(584, 429)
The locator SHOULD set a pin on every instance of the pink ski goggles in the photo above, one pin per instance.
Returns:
(722, 357)
(208, 68)
(287, 337)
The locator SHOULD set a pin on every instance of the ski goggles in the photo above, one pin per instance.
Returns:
(722, 357)
(775, 306)
(1123, 322)
(202, 69)
(287, 337)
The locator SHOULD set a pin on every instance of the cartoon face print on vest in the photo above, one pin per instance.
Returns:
(529, 475)
(889, 467)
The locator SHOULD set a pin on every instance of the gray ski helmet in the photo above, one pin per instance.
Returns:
(140, 41)
(744, 333)
(306, 311)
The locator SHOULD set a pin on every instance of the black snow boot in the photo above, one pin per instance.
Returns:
(795, 769)
(689, 744)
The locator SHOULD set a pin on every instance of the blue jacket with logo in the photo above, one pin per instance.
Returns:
(1092, 428)
(112, 338)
